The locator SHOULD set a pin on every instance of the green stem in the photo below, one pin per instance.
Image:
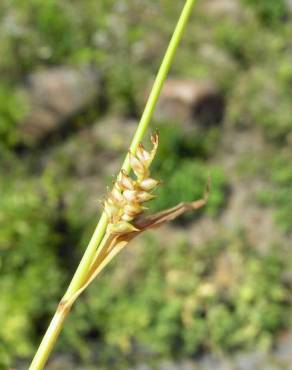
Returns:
(138, 136)
(78, 279)
(160, 78)
(49, 339)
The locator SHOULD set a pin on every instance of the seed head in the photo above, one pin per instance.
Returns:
(125, 201)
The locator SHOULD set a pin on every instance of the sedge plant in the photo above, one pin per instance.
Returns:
(122, 218)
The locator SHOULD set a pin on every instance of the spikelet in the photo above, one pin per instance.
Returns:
(125, 201)
(124, 204)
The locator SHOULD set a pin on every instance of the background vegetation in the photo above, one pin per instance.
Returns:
(169, 296)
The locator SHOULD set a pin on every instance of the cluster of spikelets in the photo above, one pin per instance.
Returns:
(125, 201)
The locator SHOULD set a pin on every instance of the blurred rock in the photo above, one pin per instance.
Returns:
(242, 361)
(249, 361)
(189, 100)
(115, 132)
(55, 95)
(168, 365)
(289, 4)
(217, 57)
(283, 351)
(210, 362)
(61, 362)
(223, 8)
(242, 208)
(94, 156)
(278, 359)
(142, 367)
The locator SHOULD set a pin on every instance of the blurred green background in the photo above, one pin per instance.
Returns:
(213, 285)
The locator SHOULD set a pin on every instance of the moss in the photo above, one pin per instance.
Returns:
(270, 12)
(277, 193)
(181, 168)
(218, 296)
(261, 98)
(186, 181)
(26, 240)
(12, 111)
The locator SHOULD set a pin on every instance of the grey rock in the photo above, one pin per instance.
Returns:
(283, 351)
(191, 100)
(223, 8)
(189, 365)
(62, 362)
(209, 362)
(114, 132)
(142, 367)
(250, 361)
(168, 365)
(54, 95)
(289, 5)
(217, 57)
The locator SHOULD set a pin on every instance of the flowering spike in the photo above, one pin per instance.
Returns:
(125, 201)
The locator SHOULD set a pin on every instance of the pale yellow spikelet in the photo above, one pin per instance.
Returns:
(144, 196)
(123, 206)
(125, 182)
(148, 184)
(138, 166)
(142, 154)
(125, 201)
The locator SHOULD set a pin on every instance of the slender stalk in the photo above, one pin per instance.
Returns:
(50, 337)
(80, 275)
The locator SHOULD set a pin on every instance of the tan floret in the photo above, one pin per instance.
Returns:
(125, 201)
